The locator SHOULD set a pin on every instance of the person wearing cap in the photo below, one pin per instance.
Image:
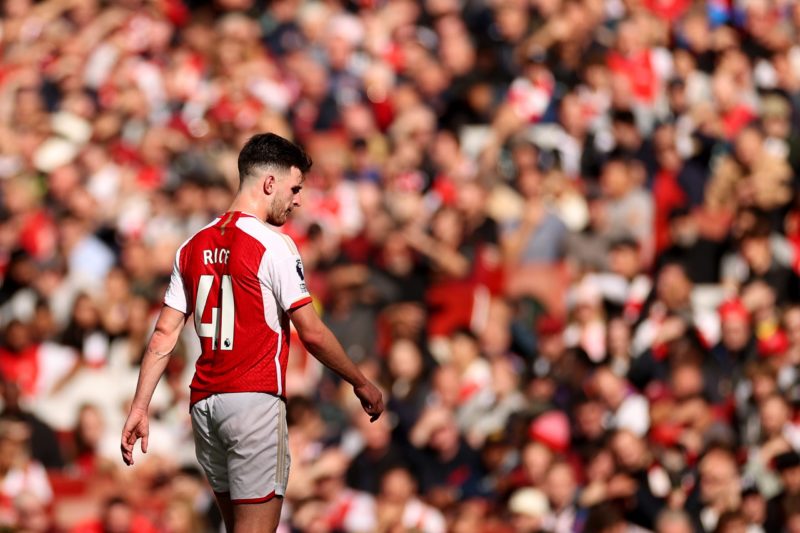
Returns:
(529, 509)
(736, 344)
(554, 362)
(550, 429)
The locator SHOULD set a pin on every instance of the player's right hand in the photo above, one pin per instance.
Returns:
(137, 426)
(371, 400)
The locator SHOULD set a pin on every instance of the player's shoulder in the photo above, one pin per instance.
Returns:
(272, 239)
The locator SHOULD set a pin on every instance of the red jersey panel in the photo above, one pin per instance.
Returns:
(239, 277)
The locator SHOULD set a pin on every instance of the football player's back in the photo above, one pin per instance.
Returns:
(244, 283)
(237, 321)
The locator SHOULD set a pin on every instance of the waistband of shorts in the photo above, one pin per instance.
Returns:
(198, 396)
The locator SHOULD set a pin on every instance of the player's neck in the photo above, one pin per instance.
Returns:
(245, 203)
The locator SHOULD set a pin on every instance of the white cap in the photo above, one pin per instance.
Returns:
(53, 153)
(72, 127)
(529, 502)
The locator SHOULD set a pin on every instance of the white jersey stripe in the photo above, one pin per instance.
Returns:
(281, 276)
(278, 364)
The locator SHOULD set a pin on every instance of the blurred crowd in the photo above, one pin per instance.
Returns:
(563, 235)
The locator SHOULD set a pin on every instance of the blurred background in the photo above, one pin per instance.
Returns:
(561, 234)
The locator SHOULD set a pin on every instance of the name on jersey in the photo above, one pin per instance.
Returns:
(216, 256)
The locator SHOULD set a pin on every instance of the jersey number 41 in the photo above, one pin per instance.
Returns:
(220, 329)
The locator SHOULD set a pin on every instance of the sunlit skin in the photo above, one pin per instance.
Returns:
(285, 192)
(270, 191)
(272, 195)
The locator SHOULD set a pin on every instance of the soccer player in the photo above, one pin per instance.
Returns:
(243, 281)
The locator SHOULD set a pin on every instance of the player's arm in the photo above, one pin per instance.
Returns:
(163, 340)
(320, 341)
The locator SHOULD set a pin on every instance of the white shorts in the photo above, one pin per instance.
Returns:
(241, 441)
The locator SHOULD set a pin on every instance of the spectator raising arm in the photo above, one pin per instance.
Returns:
(162, 342)
(449, 260)
(517, 239)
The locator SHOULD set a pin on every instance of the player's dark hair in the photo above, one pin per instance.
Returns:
(270, 150)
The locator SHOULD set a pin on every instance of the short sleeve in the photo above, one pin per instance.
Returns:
(175, 296)
(287, 278)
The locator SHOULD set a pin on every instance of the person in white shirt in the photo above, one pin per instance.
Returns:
(398, 503)
(627, 409)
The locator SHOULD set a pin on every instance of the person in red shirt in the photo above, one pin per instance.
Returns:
(19, 361)
(244, 282)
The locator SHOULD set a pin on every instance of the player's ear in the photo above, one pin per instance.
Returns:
(269, 184)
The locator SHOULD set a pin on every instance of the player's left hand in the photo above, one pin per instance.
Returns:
(137, 426)
(371, 400)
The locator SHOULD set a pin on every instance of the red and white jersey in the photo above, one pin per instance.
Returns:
(239, 277)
